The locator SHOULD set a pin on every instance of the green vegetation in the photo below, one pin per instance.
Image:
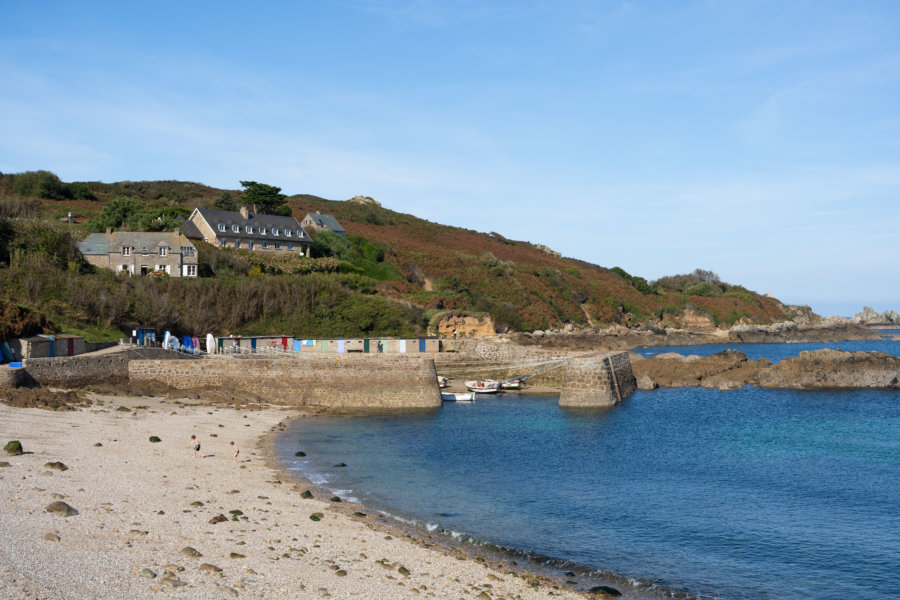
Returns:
(389, 273)
(265, 199)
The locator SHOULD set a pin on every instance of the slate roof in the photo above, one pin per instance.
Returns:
(189, 229)
(268, 222)
(141, 241)
(328, 222)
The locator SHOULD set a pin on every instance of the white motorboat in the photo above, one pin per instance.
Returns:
(457, 396)
(443, 382)
(483, 386)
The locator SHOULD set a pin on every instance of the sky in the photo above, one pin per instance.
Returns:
(757, 139)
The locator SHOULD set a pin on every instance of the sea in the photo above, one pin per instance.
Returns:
(674, 493)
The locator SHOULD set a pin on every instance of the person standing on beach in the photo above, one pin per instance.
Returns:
(236, 451)
(195, 444)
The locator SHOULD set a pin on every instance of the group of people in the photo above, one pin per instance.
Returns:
(195, 445)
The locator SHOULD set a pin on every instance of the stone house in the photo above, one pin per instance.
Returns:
(264, 233)
(321, 222)
(141, 252)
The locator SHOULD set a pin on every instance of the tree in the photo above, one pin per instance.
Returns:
(225, 201)
(266, 198)
(117, 213)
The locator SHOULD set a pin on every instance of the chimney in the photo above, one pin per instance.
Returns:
(244, 212)
(108, 231)
(177, 232)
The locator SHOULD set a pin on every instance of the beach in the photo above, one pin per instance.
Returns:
(144, 509)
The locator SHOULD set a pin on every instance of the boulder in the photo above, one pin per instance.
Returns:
(13, 448)
(61, 508)
(834, 369)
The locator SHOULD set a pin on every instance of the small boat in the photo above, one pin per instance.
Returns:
(484, 386)
(512, 384)
(443, 382)
(457, 396)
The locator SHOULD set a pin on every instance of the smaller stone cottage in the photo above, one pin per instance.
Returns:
(322, 222)
(141, 252)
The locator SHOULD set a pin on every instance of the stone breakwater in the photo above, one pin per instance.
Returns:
(817, 369)
(321, 380)
(597, 381)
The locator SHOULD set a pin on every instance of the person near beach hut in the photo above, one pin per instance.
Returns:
(195, 444)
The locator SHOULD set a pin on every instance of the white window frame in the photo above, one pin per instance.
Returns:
(287, 232)
(236, 228)
(126, 251)
(248, 228)
(262, 230)
(222, 227)
(274, 231)
(299, 233)
(163, 250)
(188, 251)
(190, 270)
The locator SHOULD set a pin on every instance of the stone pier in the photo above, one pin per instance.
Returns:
(337, 381)
(597, 381)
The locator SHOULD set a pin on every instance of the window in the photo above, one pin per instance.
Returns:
(221, 226)
(250, 244)
(290, 246)
(262, 230)
(300, 233)
(274, 231)
(188, 251)
(265, 245)
(144, 251)
(236, 228)
(190, 270)
(248, 228)
(126, 251)
(237, 243)
(278, 245)
(287, 232)
(163, 251)
(222, 242)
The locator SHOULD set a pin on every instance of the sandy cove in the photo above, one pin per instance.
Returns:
(138, 510)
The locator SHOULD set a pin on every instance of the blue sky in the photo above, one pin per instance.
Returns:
(757, 139)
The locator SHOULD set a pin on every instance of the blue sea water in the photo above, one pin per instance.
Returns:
(751, 493)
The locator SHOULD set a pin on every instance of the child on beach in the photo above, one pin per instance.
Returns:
(195, 444)
(236, 451)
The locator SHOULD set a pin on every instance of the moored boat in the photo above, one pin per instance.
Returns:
(483, 386)
(512, 384)
(457, 396)
(443, 382)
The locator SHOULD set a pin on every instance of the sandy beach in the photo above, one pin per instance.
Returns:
(142, 505)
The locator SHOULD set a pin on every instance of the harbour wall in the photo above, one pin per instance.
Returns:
(84, 370)
(597, 380)
(336, 381)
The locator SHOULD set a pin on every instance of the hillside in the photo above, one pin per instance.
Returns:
(393, 274)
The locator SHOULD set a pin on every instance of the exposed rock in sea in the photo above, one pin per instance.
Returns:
(604, 591)
(647, 382)
(834, 369)
(870, 316)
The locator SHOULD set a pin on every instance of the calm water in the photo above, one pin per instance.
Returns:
(744, 494)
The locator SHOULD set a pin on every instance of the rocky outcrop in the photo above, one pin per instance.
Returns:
(834, 369)
(817, 369)
(870, 316)
(465, 326)
(624, 338)
(726, 369)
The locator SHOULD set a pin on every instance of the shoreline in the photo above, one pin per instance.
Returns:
(141, 503)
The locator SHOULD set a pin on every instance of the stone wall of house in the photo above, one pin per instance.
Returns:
(343, 381)
(597, 381)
